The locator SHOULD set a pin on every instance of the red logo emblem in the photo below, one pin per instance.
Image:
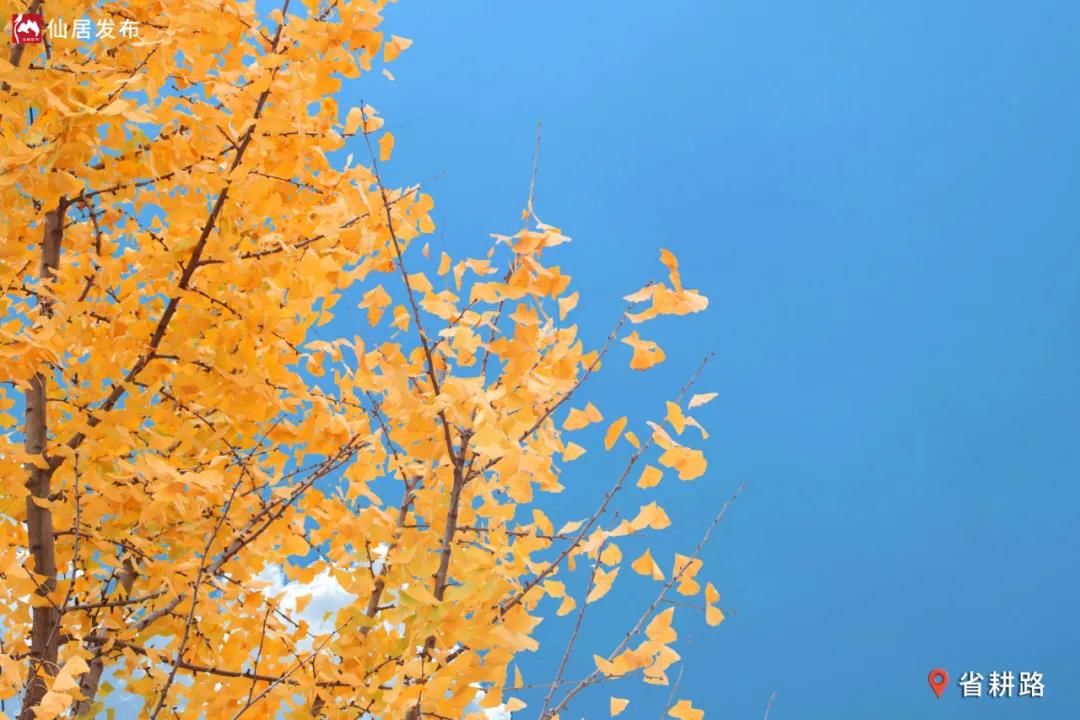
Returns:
(27, 28)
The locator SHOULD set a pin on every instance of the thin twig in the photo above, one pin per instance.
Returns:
(506, 605)
(574, 634)
(596, 674)
(769, 706)
(532, 178)
(671, 695)
(258, 652)
(285, 677)
(194, 602)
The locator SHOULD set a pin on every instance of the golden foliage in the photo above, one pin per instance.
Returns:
(193, 436)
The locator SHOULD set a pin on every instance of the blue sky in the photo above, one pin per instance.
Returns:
(881, 201)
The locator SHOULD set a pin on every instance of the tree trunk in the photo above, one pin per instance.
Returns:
(88, 683)
(442, 575)
(45, 630)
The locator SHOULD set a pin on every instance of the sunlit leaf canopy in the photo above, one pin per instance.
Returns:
(176, 231)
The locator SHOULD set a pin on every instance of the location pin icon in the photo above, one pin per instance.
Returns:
(938, 680)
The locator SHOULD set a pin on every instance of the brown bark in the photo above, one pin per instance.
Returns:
(45, 627)
(88, 683)
(442, 575)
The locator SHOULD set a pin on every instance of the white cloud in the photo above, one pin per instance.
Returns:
(327, 596)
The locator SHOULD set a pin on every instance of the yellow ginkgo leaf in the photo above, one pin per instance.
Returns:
(672, 264)
(665, 657)
(633, 439)
(52, 704)
(66, 680)
(613, 432)
(713, 615)
(401, 318)
(392, 49)
(572, 526)
(518, 681)
(353, 120)
(641, 295)
(609, 668)
(694, 423)
(659, 629)
(650, 477)
(701, 399)
(611, 555)
(688, 462)
(617, 705)
(386, 146)
(646, 352)
(572, 452)
(645, 565)
(625, 662)
(542, 522)
(577, 419)
(650, 516)
(420, 282)
(554, 588)
(567, 304)
(375, 301)
(601, 584)
(686, 569)
(675, 417)
(684, 710)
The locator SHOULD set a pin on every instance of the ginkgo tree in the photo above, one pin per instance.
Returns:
(175, 231)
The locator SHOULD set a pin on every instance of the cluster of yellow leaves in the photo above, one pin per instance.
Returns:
(63, 691)
(664, 300)
(687, 462)
(653, 656)
(207, 429)
(646, 352)
(674, 300)
(578, 419)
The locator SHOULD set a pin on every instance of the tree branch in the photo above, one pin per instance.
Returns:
(45, 624)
